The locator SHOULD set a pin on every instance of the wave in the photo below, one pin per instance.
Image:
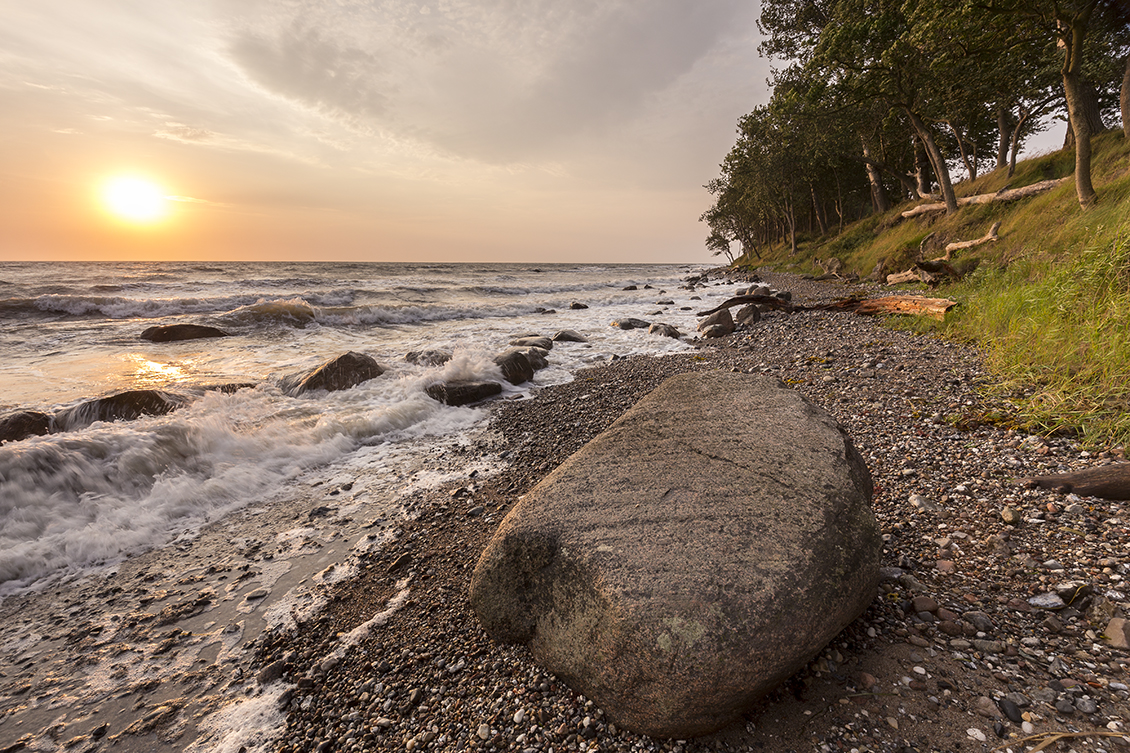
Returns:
(120, 307)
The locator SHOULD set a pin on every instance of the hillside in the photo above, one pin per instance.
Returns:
(1048, 303)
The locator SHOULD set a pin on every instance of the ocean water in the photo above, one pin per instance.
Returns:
(88, 498)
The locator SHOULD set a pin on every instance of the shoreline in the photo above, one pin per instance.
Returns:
(420, 674)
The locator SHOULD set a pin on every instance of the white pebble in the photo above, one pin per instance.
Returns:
(519, 716)
(484, 731)
(976, 734)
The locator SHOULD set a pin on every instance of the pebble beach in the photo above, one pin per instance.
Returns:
(987, 633)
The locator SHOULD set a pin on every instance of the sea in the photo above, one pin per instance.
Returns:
(75, 501)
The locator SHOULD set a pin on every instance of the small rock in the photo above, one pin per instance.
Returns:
(1049, 600)
(1011, 516)
(1117, 633)
(484, 732)
(1010, 710)
(1086, 706)
(976, 734)
(986, 708)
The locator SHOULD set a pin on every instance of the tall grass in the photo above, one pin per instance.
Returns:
(1057, 337)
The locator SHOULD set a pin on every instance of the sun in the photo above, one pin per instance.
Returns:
(135, 200)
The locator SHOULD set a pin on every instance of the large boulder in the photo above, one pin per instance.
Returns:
(172, 332)
(341, 373)
(630, 323)
(23, 424)
(691, 557)
(666, 330)
(124, 406)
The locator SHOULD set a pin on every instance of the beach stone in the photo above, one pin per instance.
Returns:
(569, 336)
(748, 315)
(538, 357)
(718, 324)
(691, 557)
(173, 332)
(124, 406)
(1050, 600)
(347, 370)
(23, 424)
(666, 330)
(533, 342)
(428, 357)
(1117, 633)
(631, 323)
(576, 306)
(515, 365)
(462, 393)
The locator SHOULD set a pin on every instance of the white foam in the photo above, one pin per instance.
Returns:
(245, 725)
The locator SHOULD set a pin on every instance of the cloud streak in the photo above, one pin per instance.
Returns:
(493, 80)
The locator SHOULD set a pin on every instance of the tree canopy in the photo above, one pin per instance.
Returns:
(882, 99)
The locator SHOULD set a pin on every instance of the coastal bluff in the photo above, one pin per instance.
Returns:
(691, 557)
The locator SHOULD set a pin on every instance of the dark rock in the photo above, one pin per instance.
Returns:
(1010, 710)
(533, 342)
(577, 306)
(428, 357)
(125, 406)
(666, 330)
(515, 365)
(682, 564)
(23, 424)
(630, 287)
(568, 335)
(271, 672)
(630, 323)
(341, 373)
(172, 332)
(462, 393)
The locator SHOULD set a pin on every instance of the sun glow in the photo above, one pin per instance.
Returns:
(135, 200)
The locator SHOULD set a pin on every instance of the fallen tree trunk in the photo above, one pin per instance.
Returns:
(770, 301)
(988, 237)
(893, 304)
(934, 308)
(910, 275)
(1106, 481)
(1008, 194)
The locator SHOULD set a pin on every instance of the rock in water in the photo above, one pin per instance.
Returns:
(515, 365)
(666, 330)
(569, 336)
(23, 424)
(462, 393)
(533, 342)
(173, 332)
(691, 557)
(125, 406)
(341, 373)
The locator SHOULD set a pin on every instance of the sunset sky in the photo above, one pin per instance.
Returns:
(384, 130)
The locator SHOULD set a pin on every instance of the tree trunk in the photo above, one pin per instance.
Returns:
(1124, 99)
(941, 172)
(921, 163)
(818, 210)
(1072, 33)
(970, 167)
(1016, 139)
(879, 199)
(1005, 129)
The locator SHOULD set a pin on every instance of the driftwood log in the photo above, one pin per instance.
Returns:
(1007, 194)
(891, 304)
(1106, 481)
(988, 237)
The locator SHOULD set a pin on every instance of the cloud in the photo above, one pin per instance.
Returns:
(184, 133)
(495, 80)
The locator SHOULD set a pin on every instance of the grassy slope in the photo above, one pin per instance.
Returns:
(1049, 302)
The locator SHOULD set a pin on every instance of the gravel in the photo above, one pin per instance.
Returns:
(987, 628)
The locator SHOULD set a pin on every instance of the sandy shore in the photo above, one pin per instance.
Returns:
(378, 650)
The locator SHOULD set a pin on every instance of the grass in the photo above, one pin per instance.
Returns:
(1049, 303)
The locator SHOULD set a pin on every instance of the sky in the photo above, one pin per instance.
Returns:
(371, 130)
